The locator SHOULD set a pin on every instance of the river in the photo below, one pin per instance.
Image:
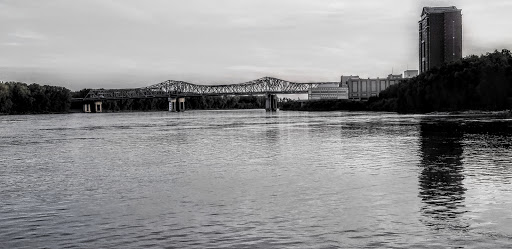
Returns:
(251, 179)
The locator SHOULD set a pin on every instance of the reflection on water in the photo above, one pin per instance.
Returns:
(249, 179)
(461, 153)
(441, 187)
(489, 151)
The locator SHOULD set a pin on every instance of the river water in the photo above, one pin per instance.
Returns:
(251, 179)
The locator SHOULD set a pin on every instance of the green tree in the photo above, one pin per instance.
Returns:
(5, 98)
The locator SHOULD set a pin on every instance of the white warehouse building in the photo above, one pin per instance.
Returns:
(329, 90)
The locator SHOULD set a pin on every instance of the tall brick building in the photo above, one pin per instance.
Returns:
(440, 33)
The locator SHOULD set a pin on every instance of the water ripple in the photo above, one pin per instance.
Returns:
(250, 179)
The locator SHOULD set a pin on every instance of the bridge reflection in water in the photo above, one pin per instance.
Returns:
(176, 91)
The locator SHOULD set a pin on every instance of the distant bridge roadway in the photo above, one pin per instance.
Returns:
(172, 88)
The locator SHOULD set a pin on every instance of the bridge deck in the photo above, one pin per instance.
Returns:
(171, 88)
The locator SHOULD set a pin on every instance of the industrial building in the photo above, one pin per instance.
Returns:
(363, 89)
(353, 87)
(440, 36)
(328, 90)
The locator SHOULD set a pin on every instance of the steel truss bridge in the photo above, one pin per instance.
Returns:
(172, 88)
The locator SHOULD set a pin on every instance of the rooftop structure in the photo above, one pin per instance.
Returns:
(410, 73)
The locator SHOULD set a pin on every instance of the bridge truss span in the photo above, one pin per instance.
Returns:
(171, 88)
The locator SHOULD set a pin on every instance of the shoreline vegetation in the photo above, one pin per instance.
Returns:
(20, 98)
(191, 103)
(470, 85)
(474, 83)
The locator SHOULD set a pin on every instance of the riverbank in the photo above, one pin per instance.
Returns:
(377, 105)
(324, 105)
(475, 113)
(474, 83)
(374, 106)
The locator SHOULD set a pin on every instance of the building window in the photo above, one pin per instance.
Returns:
(363, 86)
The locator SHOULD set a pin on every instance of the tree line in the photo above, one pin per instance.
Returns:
(191, 103)
(20, 98)
(225, 102)
(473, 83)
(324, 105)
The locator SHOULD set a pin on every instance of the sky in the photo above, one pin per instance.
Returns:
(135, 43)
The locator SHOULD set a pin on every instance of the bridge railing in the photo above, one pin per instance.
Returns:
(170, 88)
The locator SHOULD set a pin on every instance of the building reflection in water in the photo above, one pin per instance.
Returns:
(441, 178)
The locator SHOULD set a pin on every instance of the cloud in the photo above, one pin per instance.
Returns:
(14, 44)
(125, 9)
(115, 41)
(27, 35)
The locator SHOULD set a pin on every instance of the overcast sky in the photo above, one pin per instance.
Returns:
(135, 43)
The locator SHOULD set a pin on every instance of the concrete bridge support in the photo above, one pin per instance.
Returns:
(98, 107)
(271, 103)
(172, 104)
(93, 107)
(87, 108)
(176, 104)
(181, 104)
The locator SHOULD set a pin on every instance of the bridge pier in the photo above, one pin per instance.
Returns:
(271, 103)
(181, 104)
(172, 104)
(87, 108)
(176, 104)
(96, 107)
